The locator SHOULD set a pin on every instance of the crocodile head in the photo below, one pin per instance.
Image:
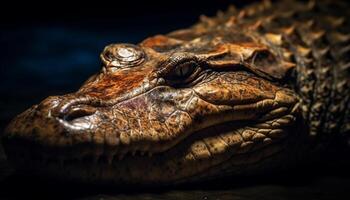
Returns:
(189, 105)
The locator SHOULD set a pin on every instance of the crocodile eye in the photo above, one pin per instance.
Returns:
(122, 55)
(183, 73)
(184, 70)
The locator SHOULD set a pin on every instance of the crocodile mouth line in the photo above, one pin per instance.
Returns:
(270, 116)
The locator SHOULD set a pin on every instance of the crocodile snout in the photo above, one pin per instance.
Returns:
(49, 121)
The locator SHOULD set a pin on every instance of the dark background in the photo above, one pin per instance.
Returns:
(51, 47)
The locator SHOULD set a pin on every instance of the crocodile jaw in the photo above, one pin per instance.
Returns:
(182, 136)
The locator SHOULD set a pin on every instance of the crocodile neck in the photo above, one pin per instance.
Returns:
(321, 48)
(314, 36)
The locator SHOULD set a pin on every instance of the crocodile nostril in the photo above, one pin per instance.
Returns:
(78, 111)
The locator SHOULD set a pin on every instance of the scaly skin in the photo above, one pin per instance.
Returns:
(239, 93)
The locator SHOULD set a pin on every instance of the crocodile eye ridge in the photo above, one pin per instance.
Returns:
(122, 55)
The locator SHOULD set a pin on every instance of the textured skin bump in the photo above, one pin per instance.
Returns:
(246, 92)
